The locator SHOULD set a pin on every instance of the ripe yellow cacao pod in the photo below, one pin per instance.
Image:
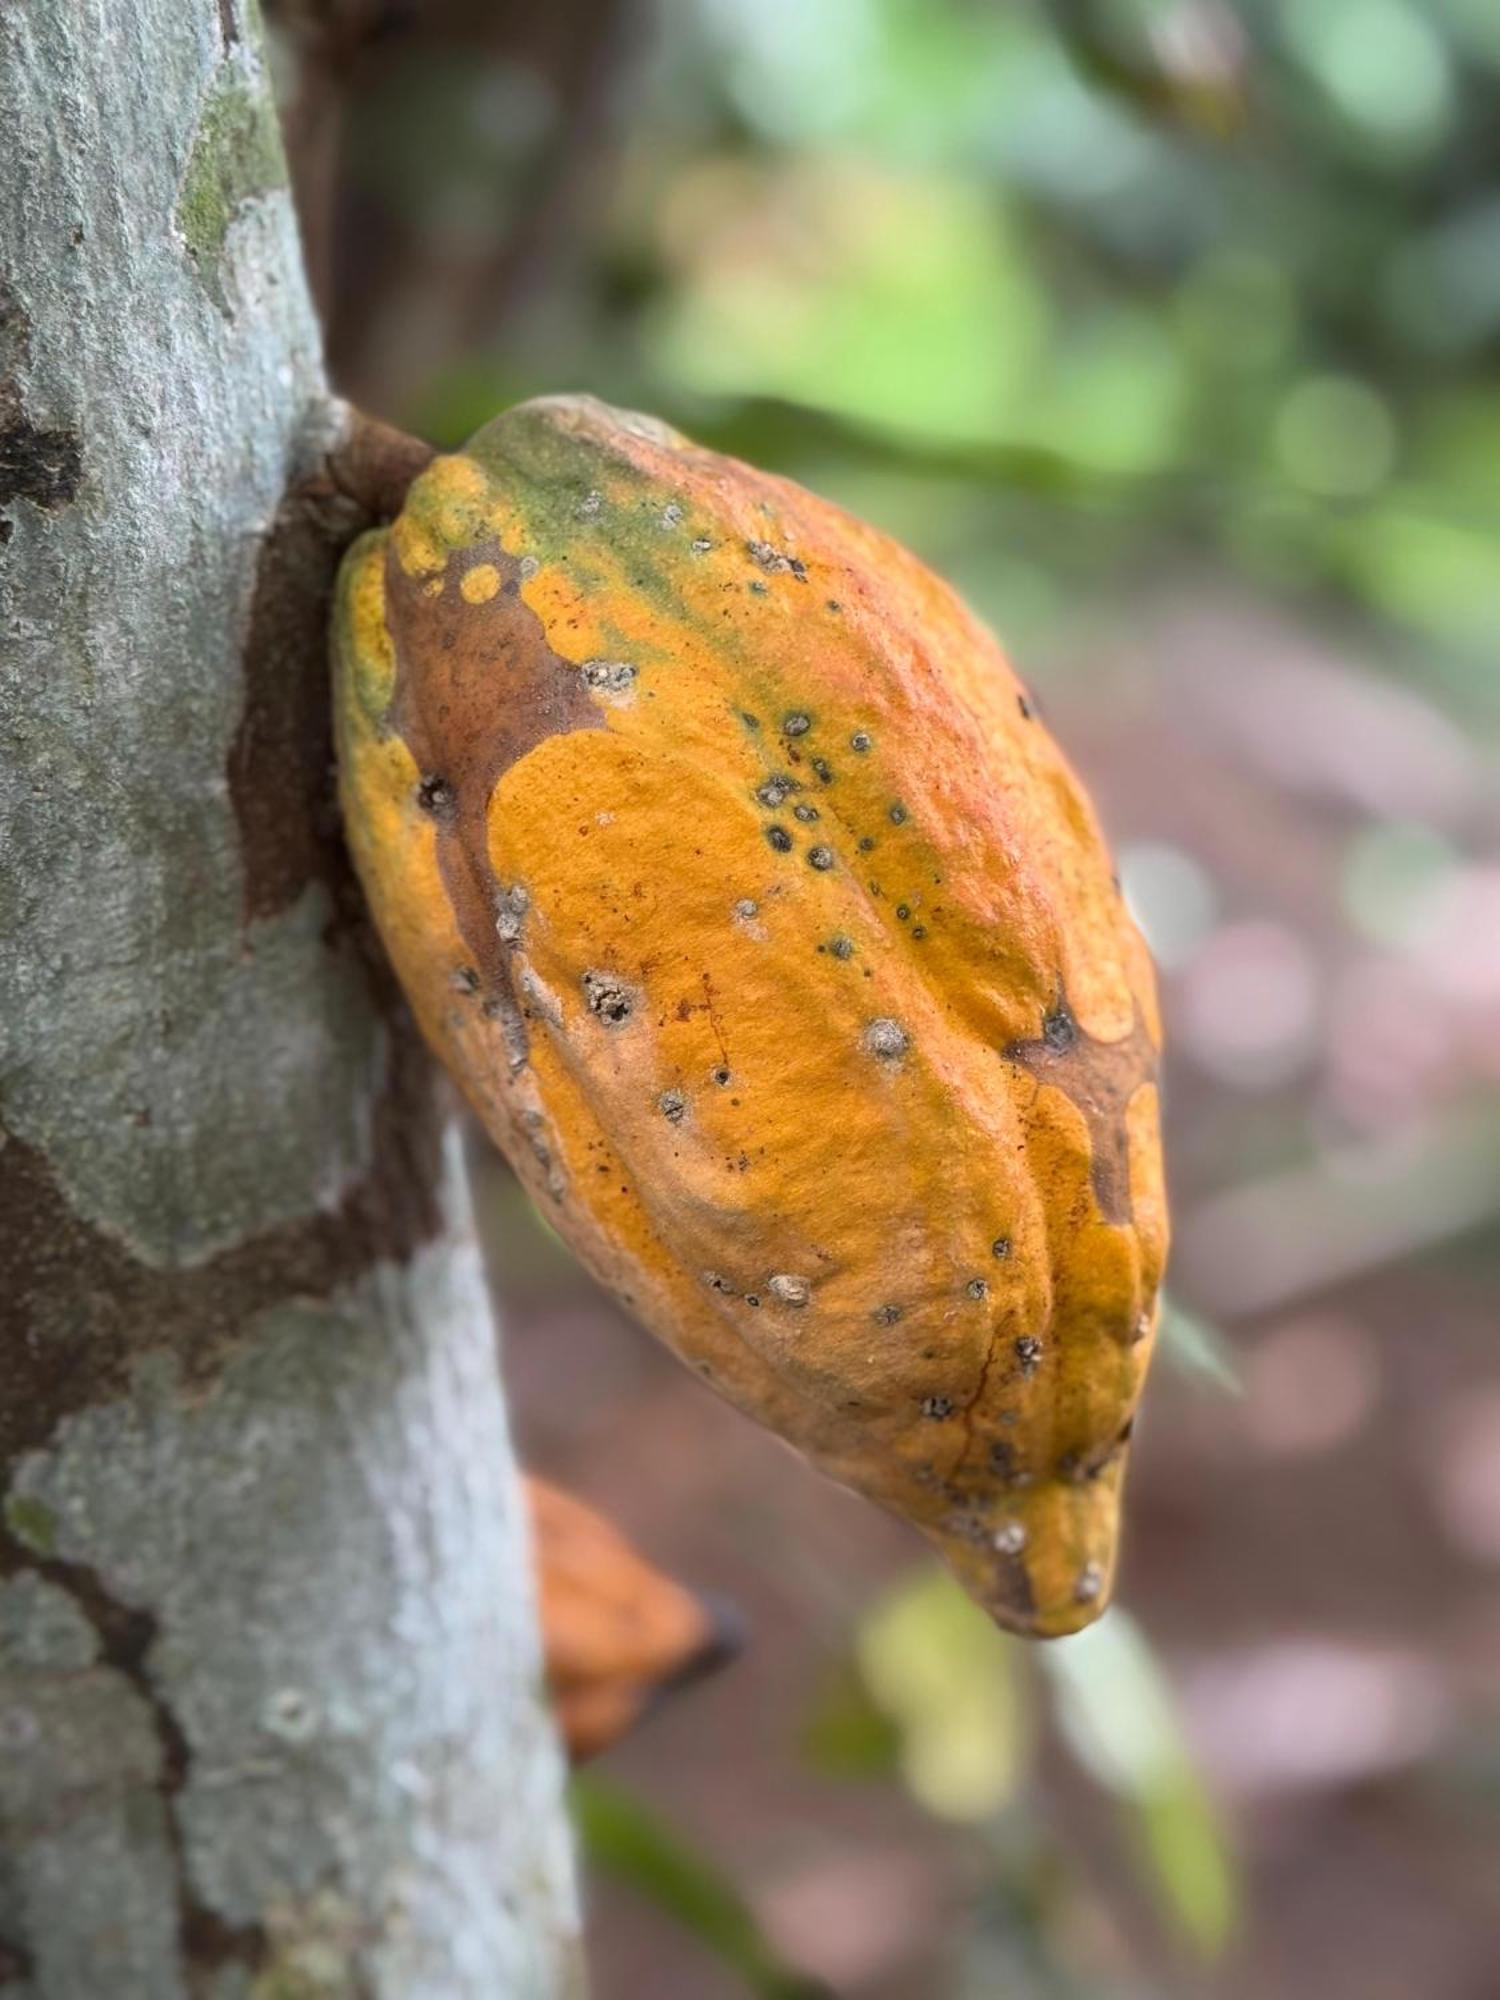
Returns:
(616, 1633)
(727, 866)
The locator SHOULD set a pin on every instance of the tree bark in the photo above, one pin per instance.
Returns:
(269, 1711)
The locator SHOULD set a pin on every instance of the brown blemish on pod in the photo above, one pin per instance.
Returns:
(1100, 1078)
(476, 688)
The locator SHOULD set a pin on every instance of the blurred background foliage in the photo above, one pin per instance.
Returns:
(1044, 288)
(1168, 329)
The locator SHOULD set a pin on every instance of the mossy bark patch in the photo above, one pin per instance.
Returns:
(236, 159)
(31, 1522)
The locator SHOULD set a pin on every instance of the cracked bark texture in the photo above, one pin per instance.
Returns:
(269, 1720)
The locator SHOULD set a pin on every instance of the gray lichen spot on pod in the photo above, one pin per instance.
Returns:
(1090, 1583)
(608, 998)
(609, 677)
(789, 1290)
(887, 1039)
(510, 906)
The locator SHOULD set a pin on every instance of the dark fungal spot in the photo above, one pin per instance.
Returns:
(752, 1298)
(806, 813)
(866, 845)
(672, 1105)
(860, 740)
(796, 724)
(780, 839)
(721, 1077)
(1059, 1029)
(897, 815)
(776, 790)
(833, 604)
(841, 946)
(820, 858)
(886, 1315)
(608, 997)
(1000, 1247)
(1025, 707)
(823, 770)
(466, 979)
(937, 1407)
(903, 911)
(437, 796)
(716, 1283)
(919, 930)
(1029, 1354)
(977, 1288)
(758, 589)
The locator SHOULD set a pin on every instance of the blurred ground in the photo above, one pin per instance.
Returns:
(1168, 329)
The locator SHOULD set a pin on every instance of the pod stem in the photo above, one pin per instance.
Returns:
(374, 463)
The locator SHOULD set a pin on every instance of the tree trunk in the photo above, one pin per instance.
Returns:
(269, 1720)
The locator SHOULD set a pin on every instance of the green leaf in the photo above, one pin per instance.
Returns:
(1198, 1348)
(1115, 1711)
(847, 1734)
(947, 1679)
(623, 1838)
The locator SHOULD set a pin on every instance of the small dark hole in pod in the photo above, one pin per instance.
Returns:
(1059, 1029)
(437, 796)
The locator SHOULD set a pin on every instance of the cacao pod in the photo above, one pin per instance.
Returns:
(615, 1631)
(726, 864)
